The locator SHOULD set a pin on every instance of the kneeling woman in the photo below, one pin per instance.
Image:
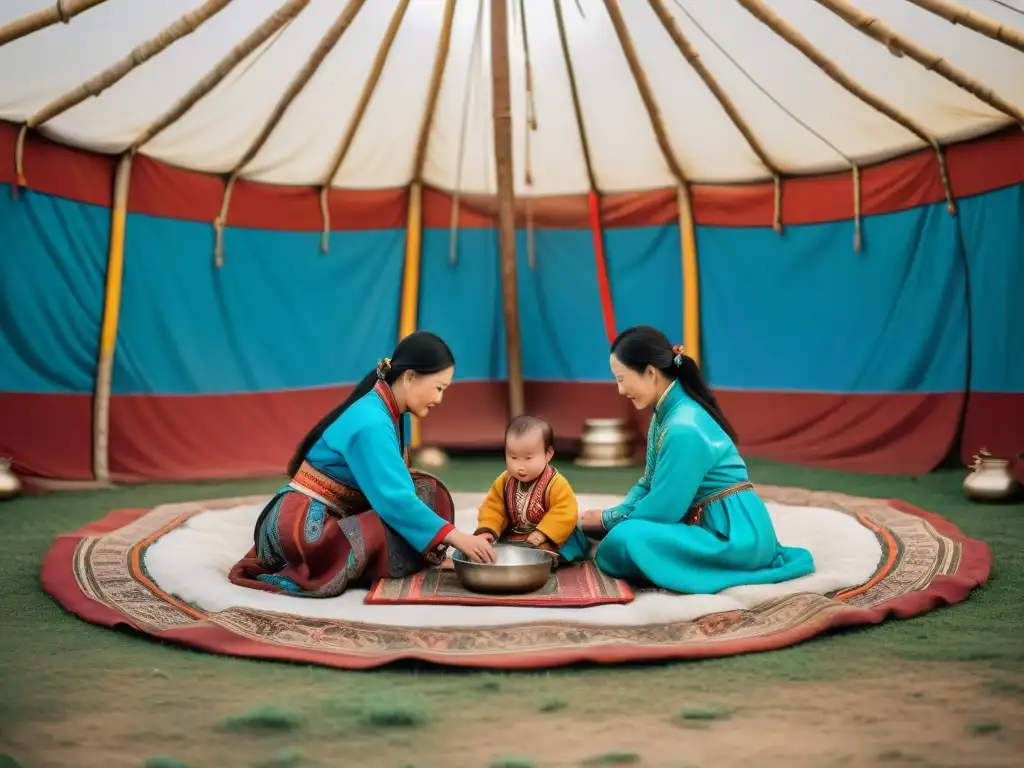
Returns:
(693, 523)
(351, 513)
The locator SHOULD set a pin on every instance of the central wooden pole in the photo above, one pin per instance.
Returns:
(502, 105)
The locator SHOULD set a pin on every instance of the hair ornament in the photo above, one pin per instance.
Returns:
(678, 351)
(383, 366)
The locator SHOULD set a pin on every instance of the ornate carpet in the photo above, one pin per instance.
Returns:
(914, 562)
(578, 586)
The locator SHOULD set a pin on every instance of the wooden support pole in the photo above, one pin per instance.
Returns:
(108, 327)
(502, 118)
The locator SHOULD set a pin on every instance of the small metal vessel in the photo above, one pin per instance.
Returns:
(518, 570)
(606, 443)
(10, 485)
(990, 479)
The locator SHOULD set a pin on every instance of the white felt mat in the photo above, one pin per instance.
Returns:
(193, 562)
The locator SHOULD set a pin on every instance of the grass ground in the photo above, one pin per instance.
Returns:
(945, 689)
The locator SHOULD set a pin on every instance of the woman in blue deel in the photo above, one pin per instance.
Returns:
(693, 523)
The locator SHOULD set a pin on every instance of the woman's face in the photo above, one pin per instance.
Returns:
(639, 388)
(425, 390)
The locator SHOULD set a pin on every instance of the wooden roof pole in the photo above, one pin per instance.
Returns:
(693, 58)
(691, 293)
(898, 45)
(575, 92)
(383, 50)
(474, 61)
(854, 168)
(787, 32)
(528, 129)
(644, 87)
(436, 76)
(60, 11)
(593, 198)
(502, 123)
(968, 17)
(110, 76)
(288, 11)
(324, 47)
(138, 56)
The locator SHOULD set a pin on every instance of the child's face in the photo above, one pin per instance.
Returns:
(525, 456)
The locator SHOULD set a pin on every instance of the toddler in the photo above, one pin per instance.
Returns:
(530, 501)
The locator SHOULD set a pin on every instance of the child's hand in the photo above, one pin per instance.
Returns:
(486, 535)
(536, 539)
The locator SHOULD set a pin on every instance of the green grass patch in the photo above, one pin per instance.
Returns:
(552, 704)
(161, 762)
(395, 713)
(981, 729)
(1006, 688)
(287, 757)
(703, 714)
(268, 719)
(513, 762)
(490, 683)
(613, 758)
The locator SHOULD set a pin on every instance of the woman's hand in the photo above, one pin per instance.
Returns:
(476, 548)
(592, 523)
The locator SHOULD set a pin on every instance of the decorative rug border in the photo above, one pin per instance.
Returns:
(963, 564)
(592, 574)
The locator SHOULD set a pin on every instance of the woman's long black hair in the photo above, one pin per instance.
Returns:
(643, 345)
(421, 351)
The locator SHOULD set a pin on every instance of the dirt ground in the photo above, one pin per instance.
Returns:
(922, 715)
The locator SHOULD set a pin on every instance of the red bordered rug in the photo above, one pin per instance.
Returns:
(571, 586)
(99, 573)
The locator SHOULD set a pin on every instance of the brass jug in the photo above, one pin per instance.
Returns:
(10, 485)
(990, 479)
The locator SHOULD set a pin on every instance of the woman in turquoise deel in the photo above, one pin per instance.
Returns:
(693, 523)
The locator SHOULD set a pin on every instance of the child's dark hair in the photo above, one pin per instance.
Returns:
(521, 425)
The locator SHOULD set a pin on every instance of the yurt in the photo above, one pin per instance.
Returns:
(216, 215)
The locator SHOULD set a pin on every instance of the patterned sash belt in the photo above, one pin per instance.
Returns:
(696, 513)
(338, 496)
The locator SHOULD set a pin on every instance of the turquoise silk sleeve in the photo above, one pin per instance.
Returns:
(684, 458)
(385, 480)
(615, 515)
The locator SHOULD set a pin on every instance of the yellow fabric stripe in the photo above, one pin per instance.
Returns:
(115, 271)
(691, 277)
(409, 311)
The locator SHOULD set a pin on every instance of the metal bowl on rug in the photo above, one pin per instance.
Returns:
(518, 570)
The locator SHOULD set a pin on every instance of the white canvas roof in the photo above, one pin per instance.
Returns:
(801, 118)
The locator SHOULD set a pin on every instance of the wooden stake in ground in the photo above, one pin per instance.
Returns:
(502, 118)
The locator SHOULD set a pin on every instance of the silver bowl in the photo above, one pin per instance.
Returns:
(518, 570)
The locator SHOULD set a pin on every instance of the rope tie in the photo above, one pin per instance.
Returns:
(857, 237)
